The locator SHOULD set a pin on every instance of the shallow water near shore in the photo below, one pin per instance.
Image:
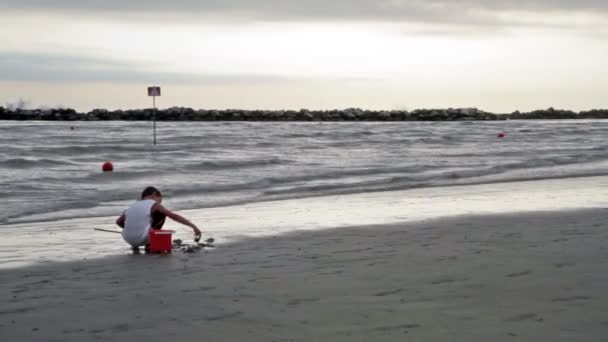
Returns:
(75, 239)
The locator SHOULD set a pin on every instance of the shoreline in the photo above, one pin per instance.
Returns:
(347, 192)
(64, 240)
(504, 277)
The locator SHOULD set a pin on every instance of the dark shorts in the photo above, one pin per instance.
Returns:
(158, 220)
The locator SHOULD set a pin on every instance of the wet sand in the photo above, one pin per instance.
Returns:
(508, 277)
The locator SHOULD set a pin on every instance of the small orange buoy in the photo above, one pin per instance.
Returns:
(500, 135)
(107, 167)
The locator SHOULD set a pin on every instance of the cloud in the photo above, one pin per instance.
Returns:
(531, 5)
(61, 68)
(377, 10)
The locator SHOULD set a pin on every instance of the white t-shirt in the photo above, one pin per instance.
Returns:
(138, 220)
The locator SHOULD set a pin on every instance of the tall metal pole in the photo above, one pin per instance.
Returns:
(154, 92)
(154, 106)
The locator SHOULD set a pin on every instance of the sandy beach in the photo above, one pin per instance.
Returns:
(505, 262)
(343, 171)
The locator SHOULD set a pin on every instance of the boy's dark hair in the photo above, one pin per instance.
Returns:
(150, 191)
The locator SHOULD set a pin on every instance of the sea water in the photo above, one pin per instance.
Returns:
(52, 170)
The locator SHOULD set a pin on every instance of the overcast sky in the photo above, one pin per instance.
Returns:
(379, 54)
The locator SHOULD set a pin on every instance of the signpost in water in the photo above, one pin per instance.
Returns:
(154, 92)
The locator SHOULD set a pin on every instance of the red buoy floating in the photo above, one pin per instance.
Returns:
(501, 135)
(107, 167)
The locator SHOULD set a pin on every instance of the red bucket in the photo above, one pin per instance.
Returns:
(160, 241)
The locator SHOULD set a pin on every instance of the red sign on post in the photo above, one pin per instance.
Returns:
(153, 91)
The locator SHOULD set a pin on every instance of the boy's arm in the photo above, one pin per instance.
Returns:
(177, 218)
(121, 221)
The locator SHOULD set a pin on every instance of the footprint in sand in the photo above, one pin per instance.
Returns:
(224, 316)
(388, 293)
(397, 327)
(570, 299)
(519, 274)
(512, 235)
(96, 331)
(120, 328)
(525, 317)
(482, 251)
(20, 290)
(442, 281)
(16, 311)
(298, 301)
(447, 258)
(348, 251)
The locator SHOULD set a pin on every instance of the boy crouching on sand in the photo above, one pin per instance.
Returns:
(146, 214)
